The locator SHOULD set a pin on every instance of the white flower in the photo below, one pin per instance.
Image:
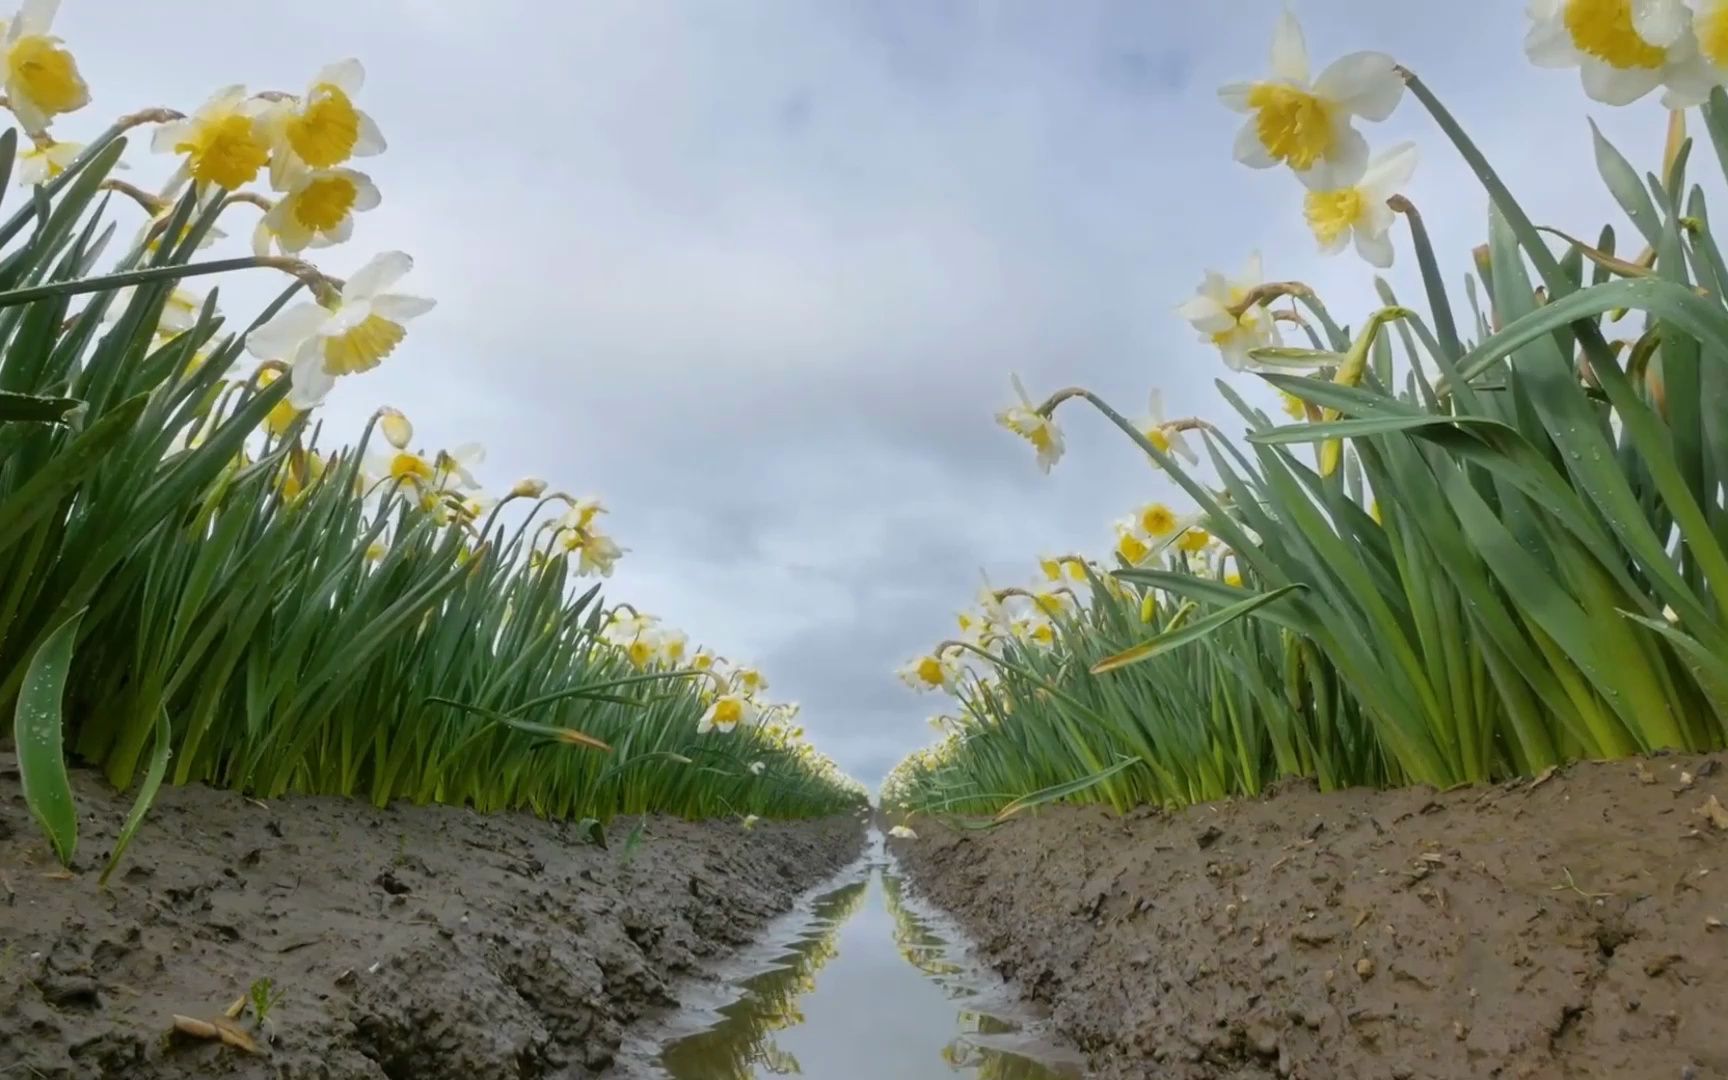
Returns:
(42, 79)
(1624, 49)
(726, 713)
(582, 512)
(1342, 204)
(317, 211)
(1212, 311)
(1161, 433)
(454, 465)
(44, 160)
(179, 312)
(596, 552)
(750, 821)
(1025, 421)
(757, 767)
(362, 327)
(529, 487)
(901, 832)
(1301, 123)
(224, 141)
(323, 128)
(930, 672)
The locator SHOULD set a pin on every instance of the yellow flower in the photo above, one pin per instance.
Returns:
(930, 672)
(1194, 541)
(1129, 545)
(726, 713)
(224, 141)
(748, 680)
(1302, 123)
(1624, 49)
(355, 333)
(317, 211)
(323, 128)
(282, 415)
(376, 550)
(42, 79)
(596, 552)
(1039, 430)
(1293, 406)
(1163, 434)
(45, 159)
(1156, 520)
(1233, 579)
(1213, 311)
(1350, 202)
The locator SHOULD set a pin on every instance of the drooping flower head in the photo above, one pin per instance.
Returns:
(1025, 421)
(1161, 433)
(930, 672)
(323, 128)
(351, 333)
(317, 211)
(725, 713)
(1300, 122)
(45, 159)
(1345, 203)
(42, 79)
(1219, 310)
(223, 142)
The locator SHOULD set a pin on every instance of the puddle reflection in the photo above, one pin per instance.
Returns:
(868, 990)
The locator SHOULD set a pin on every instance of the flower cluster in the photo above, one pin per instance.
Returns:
(732, 692)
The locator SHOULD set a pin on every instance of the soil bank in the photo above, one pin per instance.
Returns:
(410, 943)
(1567, 927)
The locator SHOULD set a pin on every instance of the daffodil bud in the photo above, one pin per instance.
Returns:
(529, 488)
(397, 430)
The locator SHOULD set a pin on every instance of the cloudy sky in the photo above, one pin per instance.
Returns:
(757, 271)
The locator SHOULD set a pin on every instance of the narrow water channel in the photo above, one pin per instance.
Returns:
(863, 985)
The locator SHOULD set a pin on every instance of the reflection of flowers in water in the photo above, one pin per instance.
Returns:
(918, 946)
(742, 1046)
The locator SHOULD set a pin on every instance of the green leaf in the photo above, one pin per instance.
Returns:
(1062, 791)
(35, 409)
(37, 730)
(1191, 632)
(592, 831)
(159, 756)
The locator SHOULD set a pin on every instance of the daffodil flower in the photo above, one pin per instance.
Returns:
(1624, 49)
(42, 79)
(596, 552)
(1131, 545)
(224, 141)
(1294, 407)
(44, 160)
(1213, 310)
(1351, 203)
(726, 713)
(323, 128)
(454, 465)
(354, 333)
(1156, 520)
(750, 681)
(671, 646)
(317, 211)
(1302, 123)
(179, 312)
(282, 415)
(1194, 541)
(1025, 421)
(930, 672)
(529, 487)
(582, 512)
(750, 820)
(1161, 433)
(398, 430)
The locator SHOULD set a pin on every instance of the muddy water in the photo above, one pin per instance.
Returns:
(864, 983)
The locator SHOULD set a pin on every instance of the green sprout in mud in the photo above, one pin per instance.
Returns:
(263, 996)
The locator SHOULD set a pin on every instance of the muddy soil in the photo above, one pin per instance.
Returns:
(1571, 927)
(411, 943)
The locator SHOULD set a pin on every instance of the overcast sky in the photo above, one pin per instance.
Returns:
(757, 271)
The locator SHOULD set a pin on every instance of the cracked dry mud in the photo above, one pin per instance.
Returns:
(1568, 928)
(410, 943)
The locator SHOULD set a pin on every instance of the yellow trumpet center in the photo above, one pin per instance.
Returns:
(1332, 214)
(1293, 125)
(363, 347)
(1603, 29)
(46, 74)
(225, 151)
(324, 132)
(325, 202)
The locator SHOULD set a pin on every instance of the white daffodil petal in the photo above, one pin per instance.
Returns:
(1660, 22)
(1289, 50)
(371, 140)
(1367, 84)
(36, 16)
(1235, 96)
(347, 76)
(366, 194)
(1390, 171)
(281, 336)
(1377, 250)
(1250, 151)
(399, 308)
(1548, 45)
(311, 383)
(1617, 86)
(383, 271)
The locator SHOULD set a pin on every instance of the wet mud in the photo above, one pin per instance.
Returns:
(1572, 926)
(409, 943)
